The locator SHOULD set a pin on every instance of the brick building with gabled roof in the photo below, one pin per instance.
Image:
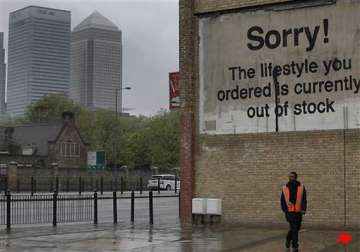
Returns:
(44, 144)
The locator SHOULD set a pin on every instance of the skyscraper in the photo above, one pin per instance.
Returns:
(96, 64)
(2, 74)
(38, 56)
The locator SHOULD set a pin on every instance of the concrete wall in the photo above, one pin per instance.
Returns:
(205, 6)
(248, 170)
(237, 87)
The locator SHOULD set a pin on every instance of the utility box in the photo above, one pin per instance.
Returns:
(214, 207)
(199, 206)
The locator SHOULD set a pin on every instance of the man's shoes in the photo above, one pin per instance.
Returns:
(295, 249)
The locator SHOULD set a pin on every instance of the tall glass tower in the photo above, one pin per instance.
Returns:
(2, 74)
(38, 56)
(96, 64)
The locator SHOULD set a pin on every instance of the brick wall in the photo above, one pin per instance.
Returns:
(187, 81)
(248, 170)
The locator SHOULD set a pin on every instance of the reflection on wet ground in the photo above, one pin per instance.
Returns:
(165, 236)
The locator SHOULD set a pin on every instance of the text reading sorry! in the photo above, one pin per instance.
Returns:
(272, 39)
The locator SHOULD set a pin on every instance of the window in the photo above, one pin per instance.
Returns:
(70, 149)
(63, 146)
(67, 150)
(77, 150)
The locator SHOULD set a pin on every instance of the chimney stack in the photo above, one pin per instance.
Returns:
(68, 117)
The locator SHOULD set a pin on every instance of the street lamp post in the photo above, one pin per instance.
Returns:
(116, 101)
(116, 98)
(116, 111)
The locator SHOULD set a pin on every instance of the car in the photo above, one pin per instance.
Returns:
(165, 181)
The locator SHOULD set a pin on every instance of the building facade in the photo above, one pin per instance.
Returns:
(44, 144)
(244, 158)
(96, 64)
(38, 56)
(2, 74)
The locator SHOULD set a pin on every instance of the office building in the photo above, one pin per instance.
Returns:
(2, 74)
(96, 64)
(39, 56)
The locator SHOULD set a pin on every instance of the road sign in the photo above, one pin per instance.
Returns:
(96, 160)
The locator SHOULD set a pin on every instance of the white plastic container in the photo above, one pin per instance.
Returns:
(214, 206)
(199, 206)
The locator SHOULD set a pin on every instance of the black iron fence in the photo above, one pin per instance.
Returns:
(47, 208)
(80, 184)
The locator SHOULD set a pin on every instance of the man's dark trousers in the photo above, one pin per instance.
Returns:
(294, 220)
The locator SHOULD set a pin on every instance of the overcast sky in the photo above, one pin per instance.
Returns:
(150, 42)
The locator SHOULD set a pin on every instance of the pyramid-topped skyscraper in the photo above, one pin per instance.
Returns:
(96, 64)
(96, 20)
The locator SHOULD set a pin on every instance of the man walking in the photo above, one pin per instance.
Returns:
(293, 204)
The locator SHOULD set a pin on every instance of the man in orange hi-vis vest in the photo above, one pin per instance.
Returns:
(293, 204)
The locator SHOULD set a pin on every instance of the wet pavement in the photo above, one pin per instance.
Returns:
(165, 235)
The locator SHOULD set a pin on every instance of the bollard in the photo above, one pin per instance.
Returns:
(51, 185)
(176, 179)
(35, 186)
(32, 185)
(17, 185)
(55, 208)
(57, 183)
(8, 210)
(141, 185)
(115, 207)
(132, 205)
(5, 185)
(101, 185)
(95, 208)
(158, 185)
(116, 184)
(80, 185)
(122, 185)
(67, 184)
(151, 208)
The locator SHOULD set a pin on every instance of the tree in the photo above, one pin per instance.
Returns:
(50, 108)
(139, 142)
(164, 135)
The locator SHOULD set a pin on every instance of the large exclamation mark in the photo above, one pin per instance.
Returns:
(326, 30)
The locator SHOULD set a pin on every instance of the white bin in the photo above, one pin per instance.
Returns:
(214, 207)
(199, 206)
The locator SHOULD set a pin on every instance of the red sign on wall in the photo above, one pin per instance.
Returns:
(174, 90)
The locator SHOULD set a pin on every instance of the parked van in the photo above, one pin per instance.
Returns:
(166, 182)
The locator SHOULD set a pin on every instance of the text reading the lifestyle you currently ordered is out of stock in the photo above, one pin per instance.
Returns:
(322, 84)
